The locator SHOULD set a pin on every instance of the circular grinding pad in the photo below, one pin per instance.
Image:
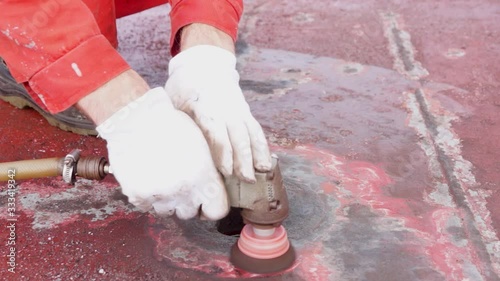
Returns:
(261, 266)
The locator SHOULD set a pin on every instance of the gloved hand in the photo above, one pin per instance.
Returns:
(162, 161)
(204, 83)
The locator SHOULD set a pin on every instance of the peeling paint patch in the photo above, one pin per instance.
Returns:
(454, 53)
(401, 48)
(302, 17)
(352, 68)
(95, 204)
(439, 141)
(279, 85)
(441, 194)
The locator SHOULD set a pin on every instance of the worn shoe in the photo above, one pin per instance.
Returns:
(70, 120)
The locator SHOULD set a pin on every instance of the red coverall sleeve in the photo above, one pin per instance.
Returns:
(222, 14)
(56, 48)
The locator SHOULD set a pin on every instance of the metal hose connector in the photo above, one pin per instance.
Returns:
(92, 167)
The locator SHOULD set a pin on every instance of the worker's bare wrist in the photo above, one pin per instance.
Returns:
(112, 96)
(202, 34)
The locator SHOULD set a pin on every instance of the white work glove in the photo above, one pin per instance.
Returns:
(203, 82)
(162, 161)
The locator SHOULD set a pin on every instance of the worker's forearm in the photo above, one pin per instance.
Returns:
(128, 86)
(112, 96)
(203, 34)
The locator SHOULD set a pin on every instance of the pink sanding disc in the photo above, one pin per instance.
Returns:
(261, 247)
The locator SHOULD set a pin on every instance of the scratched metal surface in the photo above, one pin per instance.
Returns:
(385, 118)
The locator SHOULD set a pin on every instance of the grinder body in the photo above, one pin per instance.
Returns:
(265, 202)
(263, 246)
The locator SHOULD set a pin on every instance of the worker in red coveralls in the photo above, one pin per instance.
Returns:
(167, 146)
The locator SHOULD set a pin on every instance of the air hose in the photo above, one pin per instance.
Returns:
(92, 167)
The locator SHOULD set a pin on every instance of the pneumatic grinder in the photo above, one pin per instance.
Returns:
(263, 246)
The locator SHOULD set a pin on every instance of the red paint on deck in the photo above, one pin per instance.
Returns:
(366, 184)
(312, 267)
(365, 204)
